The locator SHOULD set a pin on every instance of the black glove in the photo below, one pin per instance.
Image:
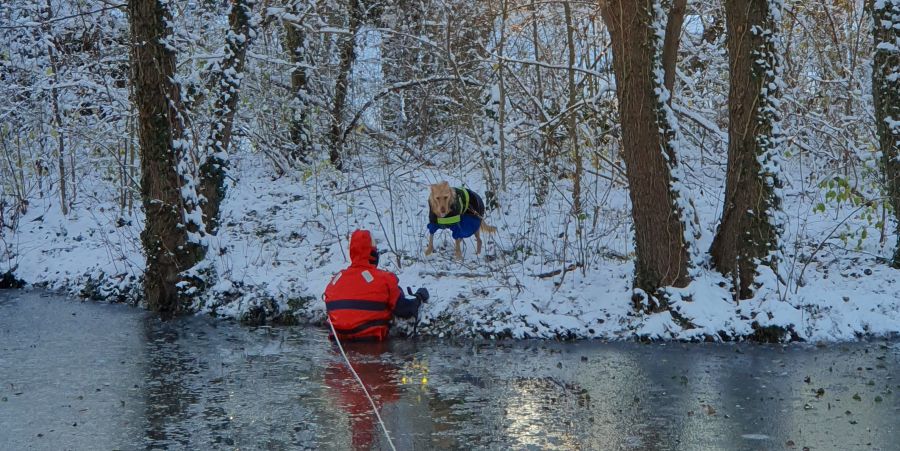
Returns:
(420, 295)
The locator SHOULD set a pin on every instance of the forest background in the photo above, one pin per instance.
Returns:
(660, 169)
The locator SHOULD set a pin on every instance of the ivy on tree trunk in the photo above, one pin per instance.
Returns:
(296, 42)
(164, 237)
(886, 95)
(213, 170)
(662, 223)
(748, 234)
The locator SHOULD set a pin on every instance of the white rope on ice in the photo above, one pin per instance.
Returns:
(361, 384)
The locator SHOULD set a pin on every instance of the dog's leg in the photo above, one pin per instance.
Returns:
(477, 242)
(458, 250)
(430, 248)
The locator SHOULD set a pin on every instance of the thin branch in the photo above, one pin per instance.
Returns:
(399, 87)
(59, 19)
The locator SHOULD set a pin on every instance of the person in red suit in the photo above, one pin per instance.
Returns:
(361, 300)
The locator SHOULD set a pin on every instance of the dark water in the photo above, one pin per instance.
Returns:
(97, 377)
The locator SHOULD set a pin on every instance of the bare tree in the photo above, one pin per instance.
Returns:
(572, 124)
(356, 14)
(501, 85)
(673, 39)
(544, 169)
(403, 59)
(57, 115)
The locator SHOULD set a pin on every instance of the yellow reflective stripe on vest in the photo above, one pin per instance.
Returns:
(450, 220)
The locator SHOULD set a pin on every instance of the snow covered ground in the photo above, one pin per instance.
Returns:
(284, 237)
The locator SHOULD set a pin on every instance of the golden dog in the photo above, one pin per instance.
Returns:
(459, 209)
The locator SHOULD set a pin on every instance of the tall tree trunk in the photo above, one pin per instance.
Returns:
(57, 115)
(297, 47)
(572, 130)
(467, 27)
(572, 120)
(132, 167)
(215, 165)
(123, 175)
(886, 94)
(73, 195)
(749, 231)
(342, 85)
(536, 48)
(164, 237)
(663, 216)
(673, 40)
(401, 60)
(544, 167)
(501, 119)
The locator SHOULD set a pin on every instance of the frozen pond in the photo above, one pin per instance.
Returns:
(90, 376)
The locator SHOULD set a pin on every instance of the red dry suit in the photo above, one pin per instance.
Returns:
(360, 300)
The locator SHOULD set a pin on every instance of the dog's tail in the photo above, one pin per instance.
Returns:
(486, 228)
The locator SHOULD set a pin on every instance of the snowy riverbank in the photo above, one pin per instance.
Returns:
(282, 240)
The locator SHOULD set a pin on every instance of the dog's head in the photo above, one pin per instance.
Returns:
(441, 199)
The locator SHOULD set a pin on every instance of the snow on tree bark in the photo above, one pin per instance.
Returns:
(404, 60)
(356, 13)
(243, 24)
(164, 238)
(750, 229)
(664, 221)
(297, 45)
(886, 95)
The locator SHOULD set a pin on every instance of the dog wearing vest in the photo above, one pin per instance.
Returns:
(459, 209)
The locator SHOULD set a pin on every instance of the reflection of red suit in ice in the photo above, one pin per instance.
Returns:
(380, 379)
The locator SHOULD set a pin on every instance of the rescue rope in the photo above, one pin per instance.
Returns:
(361, 384)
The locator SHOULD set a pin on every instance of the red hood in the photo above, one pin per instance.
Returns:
(360, 248)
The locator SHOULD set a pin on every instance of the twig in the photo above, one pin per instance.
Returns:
(822, 243)
(58, 19)
(470, 275)
(547, 275)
